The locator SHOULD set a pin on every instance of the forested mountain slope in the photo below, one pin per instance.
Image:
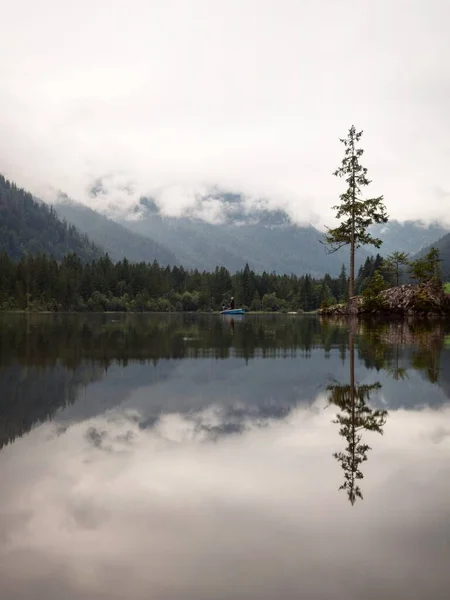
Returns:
(443, 245)
(30, 227)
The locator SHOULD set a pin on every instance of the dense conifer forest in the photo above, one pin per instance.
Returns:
(41, 283)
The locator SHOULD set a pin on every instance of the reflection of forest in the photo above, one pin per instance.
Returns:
(401, 345)
(45, 360)
(45, 340)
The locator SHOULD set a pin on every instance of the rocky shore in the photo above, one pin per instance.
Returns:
(426, 299)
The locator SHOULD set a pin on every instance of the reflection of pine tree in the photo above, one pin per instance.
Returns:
(395, 370)
(354, 417)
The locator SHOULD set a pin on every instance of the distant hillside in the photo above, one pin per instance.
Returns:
(27, 226)
(443, 245)
(408, 236)
(266, 240)
(116, 239)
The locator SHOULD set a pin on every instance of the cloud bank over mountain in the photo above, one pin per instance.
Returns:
(169, 99)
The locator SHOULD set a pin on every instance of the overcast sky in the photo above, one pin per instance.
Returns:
(168, 97)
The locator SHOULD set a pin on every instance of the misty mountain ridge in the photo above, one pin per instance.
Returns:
(408, 236)
(237, 209)
(224, 228)
(218, 206)
(227, 228)
(118, 241)
(222, 208)
(230, 229)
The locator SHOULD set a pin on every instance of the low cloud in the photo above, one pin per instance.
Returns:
(169, 100)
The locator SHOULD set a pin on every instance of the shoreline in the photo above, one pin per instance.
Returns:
(141, 312)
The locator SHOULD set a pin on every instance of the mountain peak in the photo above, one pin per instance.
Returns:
(221, 208)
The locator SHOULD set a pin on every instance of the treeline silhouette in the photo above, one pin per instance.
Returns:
(41, 283)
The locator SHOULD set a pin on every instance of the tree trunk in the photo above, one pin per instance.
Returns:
(351, 285)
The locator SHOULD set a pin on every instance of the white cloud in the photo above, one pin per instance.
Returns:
(176, 96)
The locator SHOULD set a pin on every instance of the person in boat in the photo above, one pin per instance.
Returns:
(232, 303)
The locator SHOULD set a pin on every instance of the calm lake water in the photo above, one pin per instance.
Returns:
(200, 458)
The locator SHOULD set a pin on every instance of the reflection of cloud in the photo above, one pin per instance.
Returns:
(180, 502)
(86, 514)
(13, 523)
(95, 437)
(440, 434)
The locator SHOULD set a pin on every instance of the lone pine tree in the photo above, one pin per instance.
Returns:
(356, 212)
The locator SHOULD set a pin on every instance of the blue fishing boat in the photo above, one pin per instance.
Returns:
(233, 311)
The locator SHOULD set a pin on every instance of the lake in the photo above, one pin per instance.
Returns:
(199, 457)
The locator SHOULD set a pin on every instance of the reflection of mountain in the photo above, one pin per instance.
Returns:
(31, 395)
(150, 364)
(45, 362)
(260, 388)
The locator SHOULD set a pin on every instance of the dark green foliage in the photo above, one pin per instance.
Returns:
(371, 293)
(393, 265)
(28, 227)
(356, 213)
(367, 271)
(41, 283)
(427, 268)
(342, 290)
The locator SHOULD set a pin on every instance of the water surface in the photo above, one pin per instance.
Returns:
(195, 457)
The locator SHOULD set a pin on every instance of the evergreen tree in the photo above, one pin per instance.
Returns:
(248, 286)
(358, 213)
(343, 285)
(394, 262)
